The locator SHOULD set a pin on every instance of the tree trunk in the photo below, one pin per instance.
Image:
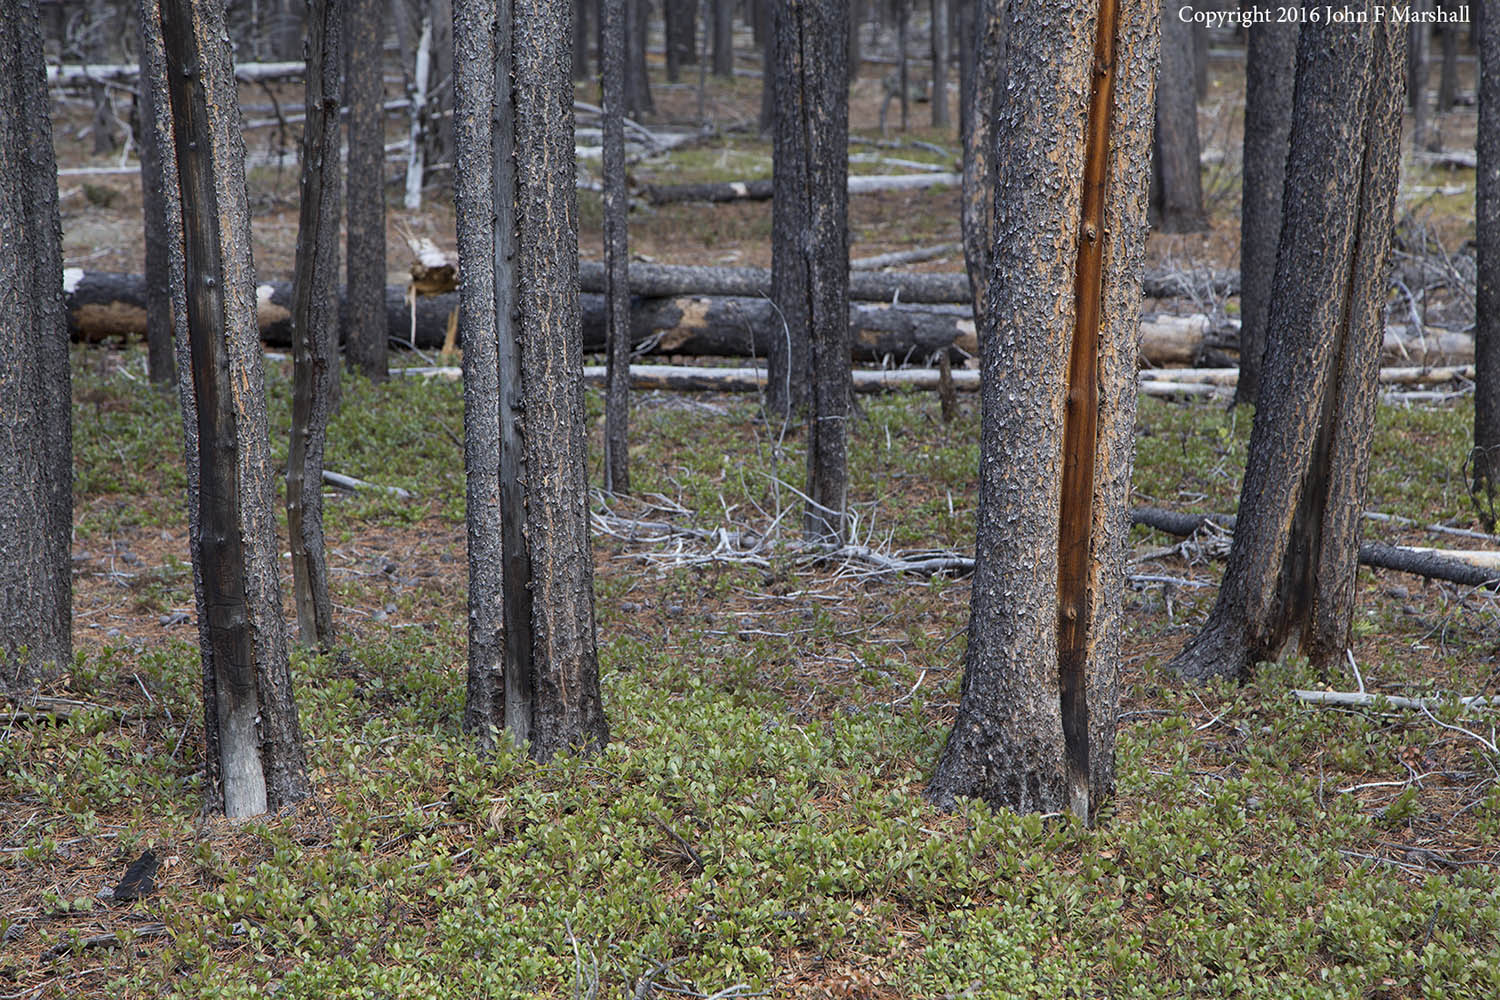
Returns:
(1416, 70)
(581, 42)
(616, 254)
(1448, 76)
(1036, 716)
(1270, 75)
(787, 355)
(1486, 457)
(814, 44)
(36, 456)
(940, 64)
(315, 322)
(160, 360)
(768, 67)
(637, 82)
(364, 89)
(1291, 572)
(247, 680)
(978, 209)
(1177, 182)
(903, 71)
(723, 11)
(969, 20)
(857, 9)
(533, 663)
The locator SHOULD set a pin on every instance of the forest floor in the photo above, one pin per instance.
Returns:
(756, 826)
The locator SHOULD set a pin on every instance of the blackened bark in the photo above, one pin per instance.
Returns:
(817, 105)
(260, 746)
(857, 11)
(161, 363)
(1486, 459)
(681, 28)
(1291, 571)
(940, 64)
(1270, 75)
(534, 667)
(978, 211)
(723, 28)
(581, 42)
(768, 68)
(315, 322)
(36, 457)
(967, 31)
(1178, 204)
(1448, 75)
(1416, 70)
(616, 254)
(1008, 744)
(903, 71)
(637, 82)
(364, 89)
(787, 384)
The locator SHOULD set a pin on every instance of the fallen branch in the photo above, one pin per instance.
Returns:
(353, 485)
(1364, 699)
(1434, 564)
(761, 190)
(250, 72)
(108, 940)
(904, 257)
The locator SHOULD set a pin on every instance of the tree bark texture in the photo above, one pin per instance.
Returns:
(978, 207)
(968, 21)
(1486, 458)
(533, 667)
(616, 254)
(315, 322)
(637, 81)
(1178, 205)
(680, 26)
(161, 362)
(723, 25)
(1291, 570)
(1270, 75)
(36, 456)
(260, 745)
(787, 356)
(813, 39)
(1039, 698)
(1417, 47)
(940, 64)
(581, 42)
(364, 89)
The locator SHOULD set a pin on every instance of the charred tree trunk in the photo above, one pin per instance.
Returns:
(1270, 74)
(1177, 184)
(787, 359)
(533, 663)
(940, 64)
(161, 363)
(723, 12)
(248, 691)
(637, 82)
(315, 323)
(857, 11)
(364, 89)
(1036, 716)
(581, 42)
(813, 40)
(1448, 75)
(768, 66)
(1417, 71)
(978, 213)
(1291, 572)
(903, 71)
(616, 254)
(969, 21)
(36, 445)
(679, 27)
(1486, 458)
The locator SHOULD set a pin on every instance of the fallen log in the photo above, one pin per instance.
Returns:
(1435, 564)
(250, 72)
(760, 190)
(664, 280)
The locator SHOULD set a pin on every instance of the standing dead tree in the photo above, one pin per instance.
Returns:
(533, 662)
(315, 322)
(1292, 566)
(36, 456)
(1036, 717)
(1177, 179)
(255, 756)
(1485, 479)
(364, 89)
(616, 251)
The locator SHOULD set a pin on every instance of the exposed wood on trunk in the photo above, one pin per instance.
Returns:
(1009, 745)
(315, 323)
(261, 762)
(616, 250)
(415, 148)
(36, 458)
(364, 90)
(161, 362)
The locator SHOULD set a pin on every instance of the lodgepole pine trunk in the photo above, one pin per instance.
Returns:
(160, 361)
(616, 254)
(36, 457)
(366, 343)
(1270, 75)
(940, 64)
(723, 30)
(1036, 716)
(978, 210)
(261, 761)
(533, 662)
(768, 66)
(315, 323)
(787, 386)
(1177, 199)
(638, 100)
(1485, 483)
(1291, 574)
